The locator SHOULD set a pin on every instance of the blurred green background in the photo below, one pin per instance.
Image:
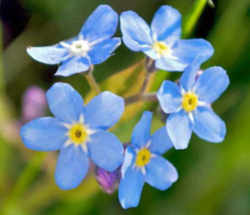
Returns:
(213, 178)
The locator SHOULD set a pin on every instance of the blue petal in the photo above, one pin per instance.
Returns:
(101, 24)
(160, 173)
(160, 142)
(179, 129)
(102, 51)
(72, 167)
(130, 188)
(43, 134)
(73, 66)
(166, 24)
(48, 54)
(170, 64)
(65, 102)
(104, 110)
(141, 132)
(187, 50)
(129, 159)
(106, 150)
(169, 96)
(211, 84)
(135, 31)
(208, 126)
(188, 77)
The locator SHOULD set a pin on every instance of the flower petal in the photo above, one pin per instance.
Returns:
(65, 102)
(208, 126)
(101, 24)
(211, 84)
(141, 132)
(166, 24)
(102, 51)
(188, 77)
(130, 188)
(104, 110)
(179, 129)
(160, 173)
(135, 31)
(48, 54)
(129, 158)
(170, 64)
(106, 150)
(169, 96)
(43, 134)
(73, 66)
(187, 50)
(160, 142)
(72, 167)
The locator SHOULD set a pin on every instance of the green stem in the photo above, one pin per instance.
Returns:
(91, 80)
(192, 18)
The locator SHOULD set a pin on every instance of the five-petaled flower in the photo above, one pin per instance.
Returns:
(161, 41)
(189, 105)
(93, 45)
(78, 131)
(143, 163)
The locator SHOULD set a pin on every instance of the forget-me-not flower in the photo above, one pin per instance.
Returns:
(78, 131)
(189, 105)
(161, 41)
(143, 163)
(93, 45)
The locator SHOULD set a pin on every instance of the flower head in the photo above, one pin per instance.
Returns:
(161, 41)
(78, 131)
(143, 163)
(189, 105)
(93, 45)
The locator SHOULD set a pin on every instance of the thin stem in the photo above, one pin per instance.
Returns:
(193, 16)
(91, 80)
(150, 69)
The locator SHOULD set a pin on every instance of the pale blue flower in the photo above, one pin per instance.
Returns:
(143, 163)
(78, 131)
(189, 105)
(161, 41)
(93, 45)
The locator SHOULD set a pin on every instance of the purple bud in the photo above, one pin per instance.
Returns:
(33, 104)
(108, 180)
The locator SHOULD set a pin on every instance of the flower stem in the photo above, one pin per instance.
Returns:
(91, 80)
(194, 15)
(142, 95)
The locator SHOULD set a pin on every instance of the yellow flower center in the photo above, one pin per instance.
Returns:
(143, 157)
(78, 133)
(189, 101)
(161, 48)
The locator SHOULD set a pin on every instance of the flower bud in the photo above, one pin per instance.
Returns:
(33, 104)
(108, 180)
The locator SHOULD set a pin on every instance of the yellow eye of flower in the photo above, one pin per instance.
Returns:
(161, 48)
(143, 157)
(189, 101)
(78, 133)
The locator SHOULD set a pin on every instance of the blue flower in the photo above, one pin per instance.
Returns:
(189, 105)
(93, 45)
(161, 41)
(143, 163)
(78, 131)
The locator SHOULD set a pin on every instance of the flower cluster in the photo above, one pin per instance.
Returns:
(80, 132)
